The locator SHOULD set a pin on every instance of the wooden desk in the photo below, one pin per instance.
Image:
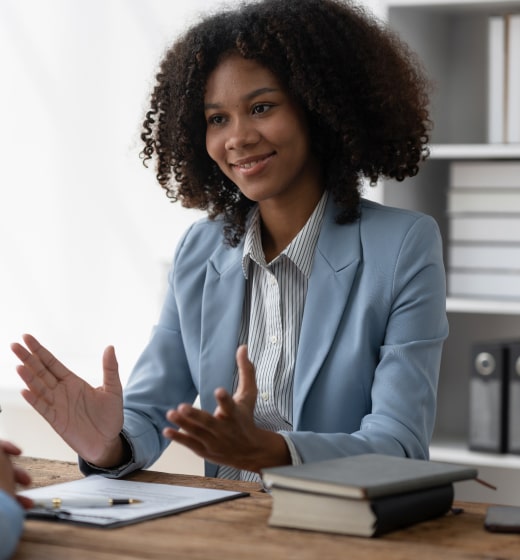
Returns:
(238, 530)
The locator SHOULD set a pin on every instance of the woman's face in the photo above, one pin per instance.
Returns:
(257, 134)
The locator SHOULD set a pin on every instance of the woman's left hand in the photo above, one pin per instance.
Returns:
(229, 436)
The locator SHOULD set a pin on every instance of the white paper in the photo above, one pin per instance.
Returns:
(157, 499)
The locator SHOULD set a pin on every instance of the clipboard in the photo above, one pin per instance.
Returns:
(157, 500)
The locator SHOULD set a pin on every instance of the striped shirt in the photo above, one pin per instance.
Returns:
(271, 323)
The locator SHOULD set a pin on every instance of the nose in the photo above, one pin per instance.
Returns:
(242, 133)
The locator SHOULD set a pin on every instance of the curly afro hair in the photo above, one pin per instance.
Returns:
(363, 92)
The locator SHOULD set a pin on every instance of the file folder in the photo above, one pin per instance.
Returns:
(488, 402)
(514, 397)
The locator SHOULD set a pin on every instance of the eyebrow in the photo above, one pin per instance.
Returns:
(247, 97)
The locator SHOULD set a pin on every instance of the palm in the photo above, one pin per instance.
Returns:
(83, 416)
(89, 419)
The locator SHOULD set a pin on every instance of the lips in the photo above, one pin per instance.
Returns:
(247, 165)
(252, 165)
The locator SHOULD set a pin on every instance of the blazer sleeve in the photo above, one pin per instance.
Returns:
(402, 385)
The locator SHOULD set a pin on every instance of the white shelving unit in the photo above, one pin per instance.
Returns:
(474, 151)
(450, 38)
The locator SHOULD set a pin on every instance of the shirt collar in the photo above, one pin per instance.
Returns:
(300, 250)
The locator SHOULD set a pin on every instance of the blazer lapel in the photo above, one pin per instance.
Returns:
(223, 299)
(334, 269)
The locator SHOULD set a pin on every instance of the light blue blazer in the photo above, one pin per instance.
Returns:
(367, 367)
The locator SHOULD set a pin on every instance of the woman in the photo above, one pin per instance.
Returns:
(268, 116)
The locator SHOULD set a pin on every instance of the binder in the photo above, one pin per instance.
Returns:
(483, 201)
(496, 79)
(484, 256)
(485, 173)
(499, 285)
(488, 403)
(513, 352)
(492, 228)
(513, 78)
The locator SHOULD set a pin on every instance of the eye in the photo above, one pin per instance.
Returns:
(261, 108)
(216, 120)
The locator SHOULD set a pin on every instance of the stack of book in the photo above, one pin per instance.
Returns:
(504, 79)
(364, 495)
(484, 229)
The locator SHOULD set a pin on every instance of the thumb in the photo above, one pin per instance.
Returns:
(247, 389)
(111, 381)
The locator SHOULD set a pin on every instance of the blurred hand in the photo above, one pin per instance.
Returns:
(11, 475)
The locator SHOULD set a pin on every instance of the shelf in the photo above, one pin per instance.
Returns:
(450, 38)
(495, 5)
(472, 305)
(475, 151)
(457, 452)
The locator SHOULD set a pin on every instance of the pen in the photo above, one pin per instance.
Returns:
(87, 502)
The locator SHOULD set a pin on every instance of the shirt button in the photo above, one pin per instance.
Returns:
(265, 396)
(273, 339)
(272, 280)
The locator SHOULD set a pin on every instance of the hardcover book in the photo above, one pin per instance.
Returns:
(366, 476)
(363, 518)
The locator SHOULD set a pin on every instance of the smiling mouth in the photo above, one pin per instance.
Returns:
(251, 163)
(247, 165)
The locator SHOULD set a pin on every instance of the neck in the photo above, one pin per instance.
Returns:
(282, 223)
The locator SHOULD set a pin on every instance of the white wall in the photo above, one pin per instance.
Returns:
(85, 232)
(86, 235)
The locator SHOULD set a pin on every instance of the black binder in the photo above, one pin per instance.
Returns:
(488, 398)
(513, 430)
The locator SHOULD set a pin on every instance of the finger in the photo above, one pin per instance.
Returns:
(198, 423)
(247, 389)
(32, 371)
(53, 372)
(186, 416)
(46, 358)
(186, 440)
(25, 502)
(226, 405)
(37, 387)
(10, 448)
(22, 476)
(40, 404)
(111, 379)
(40, 361)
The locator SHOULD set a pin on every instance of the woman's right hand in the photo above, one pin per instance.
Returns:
(88, 419)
